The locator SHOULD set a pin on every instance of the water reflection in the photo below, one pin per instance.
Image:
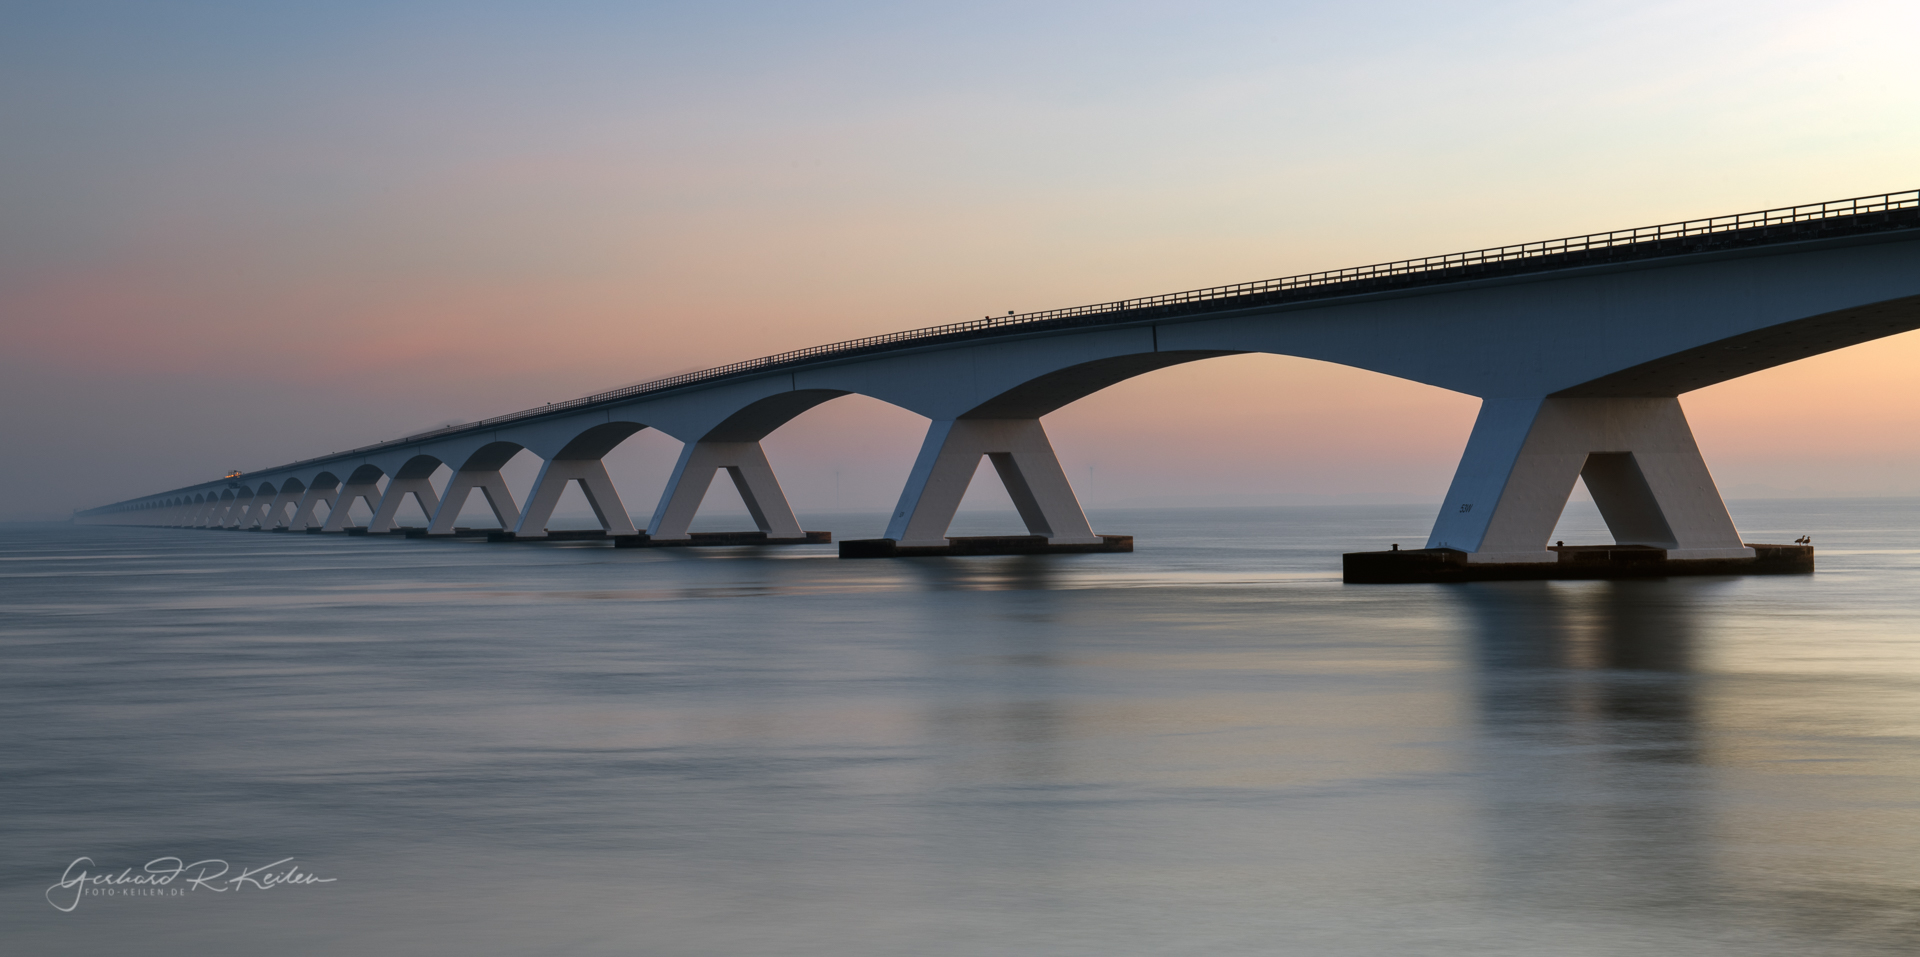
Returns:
(1591, 743)
(1005, 798)
(1008, 573)
(1199, 747)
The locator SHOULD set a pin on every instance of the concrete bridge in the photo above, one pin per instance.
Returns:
(1579, 348)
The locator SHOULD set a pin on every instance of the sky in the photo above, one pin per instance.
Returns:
(237, 234)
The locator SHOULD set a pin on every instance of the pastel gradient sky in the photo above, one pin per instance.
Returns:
(235, 234)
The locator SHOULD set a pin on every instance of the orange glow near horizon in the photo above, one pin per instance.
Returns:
(217, 258)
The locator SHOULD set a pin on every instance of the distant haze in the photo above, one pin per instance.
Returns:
(233, 235)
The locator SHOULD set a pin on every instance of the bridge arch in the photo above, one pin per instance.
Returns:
(1563, 340)
(596, 441)
(253, 507)
(277, 514)
(476, 468)
(360, 485)
(223, 503)
(579, 459)
(1054, 390)
(412, 478)
(489, 457)
(321, 488)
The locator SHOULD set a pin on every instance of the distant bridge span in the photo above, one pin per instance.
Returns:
(1579, 348)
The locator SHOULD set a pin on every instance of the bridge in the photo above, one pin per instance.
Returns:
(1578, 347)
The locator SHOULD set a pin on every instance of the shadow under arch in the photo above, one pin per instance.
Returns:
(489, 457)
(418, 467)
(1030, 399)
(412, 478)
(362, 484)
(252, 504)
(733, 444)
(479, 470)
(320, 488)
(292, 491)
(1055, 390)
(761, 418)
(597, 441)
(1006, 429)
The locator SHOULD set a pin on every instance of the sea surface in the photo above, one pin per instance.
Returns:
(1208, 746)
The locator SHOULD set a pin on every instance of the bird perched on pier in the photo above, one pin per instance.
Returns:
(1804, 540)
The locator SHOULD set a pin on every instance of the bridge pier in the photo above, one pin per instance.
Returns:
(594, 481)
(1637, 456)
(322, 491)
(216, 515)
(228, 515)
(216, 506)
(256, 514)
(490, 484)
(1582, 342)
(411, 480)
(289, 494)
(363, 484)
(1027, 465)
(746, 463)
(1639, 459)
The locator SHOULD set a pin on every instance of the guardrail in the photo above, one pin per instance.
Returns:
(1693, 235)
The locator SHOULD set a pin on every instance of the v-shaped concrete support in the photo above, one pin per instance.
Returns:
(387, 515)
(746, 463)
(230, 515)
(1027, 465)
(256, 513)
(593, 479)
(1637, 456)
(461, 486)
(309, 502)
(276, 514)
(343, 506)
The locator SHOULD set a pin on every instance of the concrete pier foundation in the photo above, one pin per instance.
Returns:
(1026, 463)
(362, 485)
(415, 479)
(746, 463)
(1570, 562)
(722, 539)
(322, 491)
(982, 545)
(593, 479)
(459, 488)
(1637, 456)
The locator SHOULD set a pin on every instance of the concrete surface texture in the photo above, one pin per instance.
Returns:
(1578, 368)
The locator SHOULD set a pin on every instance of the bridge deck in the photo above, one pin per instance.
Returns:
(1854, 217)
(1857, 216)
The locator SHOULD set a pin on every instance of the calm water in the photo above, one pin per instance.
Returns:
(1209, 746)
